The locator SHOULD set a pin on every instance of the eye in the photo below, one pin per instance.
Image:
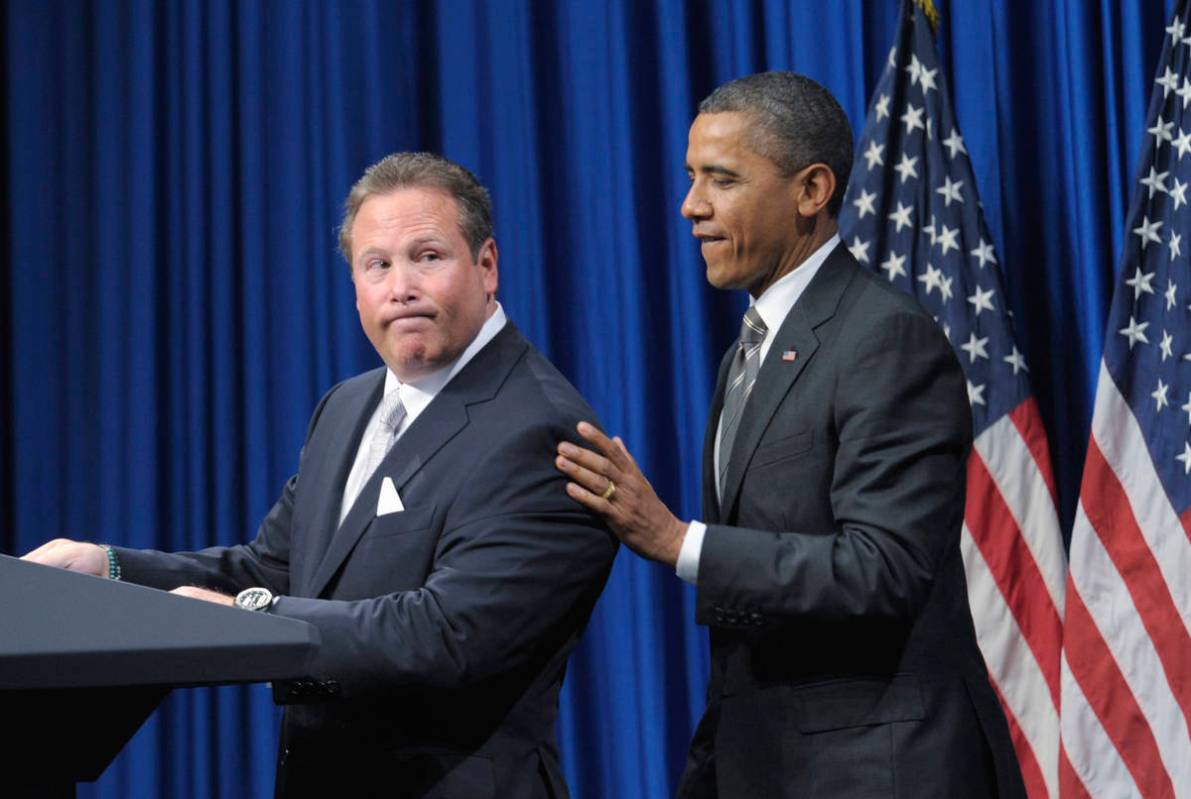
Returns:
(429, 256)
(723, 182)
(373, 264)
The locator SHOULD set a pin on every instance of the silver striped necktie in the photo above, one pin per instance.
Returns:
(390, 416)
(741, 377)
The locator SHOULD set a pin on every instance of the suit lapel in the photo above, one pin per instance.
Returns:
(711, 505)
(797, 334)
(342, 431)
(442, 420)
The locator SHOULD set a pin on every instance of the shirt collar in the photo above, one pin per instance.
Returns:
(417, 394)
(775, 302)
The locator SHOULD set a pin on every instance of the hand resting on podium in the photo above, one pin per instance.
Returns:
(88, 558)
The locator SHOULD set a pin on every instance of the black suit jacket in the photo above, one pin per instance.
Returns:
(445, 627)
(844, 660)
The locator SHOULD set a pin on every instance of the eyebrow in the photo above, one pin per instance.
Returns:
(714, 169)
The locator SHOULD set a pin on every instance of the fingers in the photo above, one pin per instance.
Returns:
(77, 556)
(613, 449)
(589, 499)
(37, 555)
(590, 478)
(588, 461)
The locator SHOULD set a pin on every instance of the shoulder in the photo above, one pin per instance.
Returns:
(873, 309)
(537, 400)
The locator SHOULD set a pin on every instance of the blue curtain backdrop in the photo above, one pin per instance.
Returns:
(173, 303)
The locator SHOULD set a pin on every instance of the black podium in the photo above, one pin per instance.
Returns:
(85, 660)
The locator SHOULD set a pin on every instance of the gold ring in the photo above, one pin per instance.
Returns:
(609, 491)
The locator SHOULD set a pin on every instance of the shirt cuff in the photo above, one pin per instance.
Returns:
(687, 566)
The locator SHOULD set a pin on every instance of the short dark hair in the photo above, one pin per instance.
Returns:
(798, 123)
(409, 170)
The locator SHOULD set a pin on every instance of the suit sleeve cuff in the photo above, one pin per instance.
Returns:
(687, 566)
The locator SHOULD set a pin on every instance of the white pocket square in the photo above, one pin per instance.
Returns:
(390, 501)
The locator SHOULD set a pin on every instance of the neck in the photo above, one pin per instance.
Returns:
(813, 234)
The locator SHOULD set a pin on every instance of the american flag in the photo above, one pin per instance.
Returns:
(912, 212)
(1126, 661)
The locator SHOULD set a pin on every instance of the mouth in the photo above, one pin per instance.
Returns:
(707, 238)
(411, 319)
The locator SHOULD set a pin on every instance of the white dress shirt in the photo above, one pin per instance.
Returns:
(774, 306)
(415, 396)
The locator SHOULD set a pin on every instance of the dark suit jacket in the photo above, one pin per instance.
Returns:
(844, 661)
(445, 627)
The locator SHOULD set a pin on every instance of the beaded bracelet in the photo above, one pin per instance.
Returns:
(113, 562)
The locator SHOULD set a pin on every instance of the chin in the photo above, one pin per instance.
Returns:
(721, 278)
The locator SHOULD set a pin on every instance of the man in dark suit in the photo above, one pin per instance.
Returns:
(827, 564)
(426, 534)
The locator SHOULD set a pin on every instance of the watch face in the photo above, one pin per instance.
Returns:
(254, 599)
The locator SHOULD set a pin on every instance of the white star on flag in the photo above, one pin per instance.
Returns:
(1169, 81)
(901, 217)
(1016, 360)
(950, 190)
(945, 286)
(984, 252)
(1175, 252)
(975, 394)
(906, 167)
(873, 154)
(1171, 288)
(1156, 181)
(1147, 230)
(947, 238)
(1161, 129)
(859, 250)
(927, 78)
(1185, 458)
(1167, 345)
(954, 143)
(981, 301)
(914, 70)
(894, 265)
(1141, 283)
(864, 203)
(1182, 142)
(1178, 193)
(932, 278)
(882, 108)
(976, 347)
(913, 118)
(1186, 408)
(1135, 332)
(1175, 29)
(1159, 395)
(1184, 92)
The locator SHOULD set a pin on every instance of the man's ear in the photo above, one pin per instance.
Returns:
(813, 187)
(488, 259)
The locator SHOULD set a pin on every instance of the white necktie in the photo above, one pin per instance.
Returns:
(390, 416)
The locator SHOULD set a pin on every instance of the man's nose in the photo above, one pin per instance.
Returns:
(694, 206)
(402, 284)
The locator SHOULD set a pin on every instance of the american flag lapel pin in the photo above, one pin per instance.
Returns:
(789, 355)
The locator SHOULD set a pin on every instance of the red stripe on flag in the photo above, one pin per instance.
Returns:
(1031, 773)
(1012, 565)
(1185, 519)
(1093, 667)
(1070, 785)
(1028, 421)
(1107, 507)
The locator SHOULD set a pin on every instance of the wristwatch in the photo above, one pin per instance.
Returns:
(261, 599)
